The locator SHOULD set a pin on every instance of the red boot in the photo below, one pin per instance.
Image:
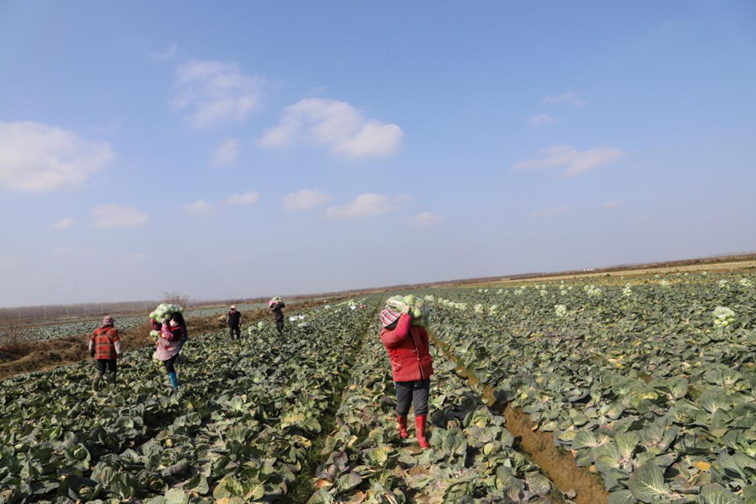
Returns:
(402, 421)
(420, 423)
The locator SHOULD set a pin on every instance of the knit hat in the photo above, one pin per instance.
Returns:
(388, 317)
(108, 320)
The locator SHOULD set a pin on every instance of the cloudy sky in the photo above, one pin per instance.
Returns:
(285, 147)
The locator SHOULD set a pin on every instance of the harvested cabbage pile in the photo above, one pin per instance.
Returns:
(418, 309)
(164, 311)
(163, 314)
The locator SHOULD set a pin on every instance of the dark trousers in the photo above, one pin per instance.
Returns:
(234, 330)
(279, 325)
(169, 364)
(107, 364)
(412, 393)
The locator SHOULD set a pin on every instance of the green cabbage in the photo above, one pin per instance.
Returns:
(418, 309)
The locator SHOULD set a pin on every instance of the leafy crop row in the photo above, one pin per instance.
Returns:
(239, 429)
(641, 383)
(471, 456)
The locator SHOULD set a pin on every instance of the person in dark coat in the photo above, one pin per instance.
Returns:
(234, 318)
(411, 366)
(278, 316)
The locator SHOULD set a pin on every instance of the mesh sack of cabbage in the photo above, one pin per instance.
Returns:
(419, 312)
(164, 311)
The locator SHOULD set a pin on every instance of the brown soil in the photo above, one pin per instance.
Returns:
(26, 357)
(559, 466)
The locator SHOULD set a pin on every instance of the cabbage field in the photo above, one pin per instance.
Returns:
(651, 386)
(47, 329)
(643, 392)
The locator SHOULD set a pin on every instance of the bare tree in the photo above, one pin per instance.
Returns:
(11, 340)
(177, 298)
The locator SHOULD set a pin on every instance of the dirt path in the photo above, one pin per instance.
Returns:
(559, 466)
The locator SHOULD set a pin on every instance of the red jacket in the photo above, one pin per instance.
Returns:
(407, 348)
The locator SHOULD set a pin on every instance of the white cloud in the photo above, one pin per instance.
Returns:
(305, 199)
(551, 212)
(105, 129)
(66, 223)
(9, 261)
(574, 160)
(364, 205)
(39, 158)
(215, 92)
(248, 198)
(199, 207)
(336, 125)
(540, 119)
(83, 252)
(570, 97)
(114, 216)
(425, 219)
(226, 153)
(611, 205)
(166, 54)
(135, 258)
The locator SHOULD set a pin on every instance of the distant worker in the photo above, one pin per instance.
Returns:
(411, 366)
(234, 318)
(105, 348)
(276, 305)
(173, 335)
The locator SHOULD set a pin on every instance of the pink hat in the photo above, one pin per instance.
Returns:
(271, 303)
(108, 320)
(388, 317)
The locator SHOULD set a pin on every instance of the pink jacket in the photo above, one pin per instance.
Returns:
(170, 341)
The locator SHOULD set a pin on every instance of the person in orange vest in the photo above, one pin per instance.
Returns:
(105, 347)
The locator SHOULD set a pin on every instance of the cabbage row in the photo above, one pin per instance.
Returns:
(644, 383)
(239, 429)
(471, 457)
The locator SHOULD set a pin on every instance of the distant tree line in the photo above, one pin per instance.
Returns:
(74, 310)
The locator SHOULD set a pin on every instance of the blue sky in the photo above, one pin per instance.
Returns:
(287, 147)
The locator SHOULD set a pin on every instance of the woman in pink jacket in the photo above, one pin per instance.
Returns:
(173, 335)
(412, 367)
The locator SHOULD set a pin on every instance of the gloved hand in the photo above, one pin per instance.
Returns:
(92, 353)
(119, 355)
(405, 308)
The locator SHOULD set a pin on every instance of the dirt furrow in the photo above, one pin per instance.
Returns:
(558, 465)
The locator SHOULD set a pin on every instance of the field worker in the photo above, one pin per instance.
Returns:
(234, 318)
(173, 335)
(412, 367)
(105, 347)
(278, 316)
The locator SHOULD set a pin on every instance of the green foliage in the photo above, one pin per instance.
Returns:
(240, 427)
(637, 381)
